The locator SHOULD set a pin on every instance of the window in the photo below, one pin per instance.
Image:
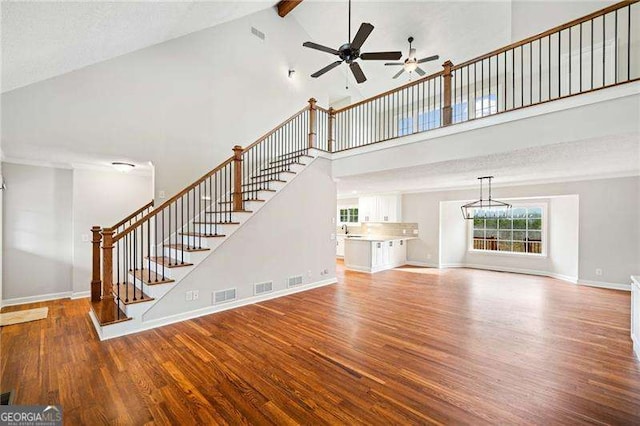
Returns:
(486, 105)
(348, 215)
(460, 112)
(515, 230)
(429, 120)
(405, 126)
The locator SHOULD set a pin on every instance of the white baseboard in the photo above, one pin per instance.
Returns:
(46, 297)
(135, 326)
(603, 284)
(34, 299)
(636, 346)
(80, 294)
(422, 264)
(568, 278)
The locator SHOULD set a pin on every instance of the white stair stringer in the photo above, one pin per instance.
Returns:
(135, 311)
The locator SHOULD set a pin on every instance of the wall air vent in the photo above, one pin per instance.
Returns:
(223, 296)
(294, 281)
(256, 32)
(261, 288)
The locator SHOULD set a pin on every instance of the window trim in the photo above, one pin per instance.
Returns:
(353, 206)
(544, 240)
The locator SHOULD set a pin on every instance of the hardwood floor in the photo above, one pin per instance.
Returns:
(451, 346)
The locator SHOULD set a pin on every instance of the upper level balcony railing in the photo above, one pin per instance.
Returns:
(596, 51)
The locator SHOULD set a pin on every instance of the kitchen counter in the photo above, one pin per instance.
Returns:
(376, 237)
(374, 253)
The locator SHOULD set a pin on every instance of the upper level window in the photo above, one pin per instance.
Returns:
(405, 126)
(486, 105)
(429, 120)
(348, 215)
(516, 230)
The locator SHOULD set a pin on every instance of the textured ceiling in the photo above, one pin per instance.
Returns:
(43, 39)
(571, 160)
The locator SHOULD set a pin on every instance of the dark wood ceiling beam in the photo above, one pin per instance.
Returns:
(286, 6)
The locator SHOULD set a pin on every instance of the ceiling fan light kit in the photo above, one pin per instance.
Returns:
(410, 65)
(350, 52)
(469, 209)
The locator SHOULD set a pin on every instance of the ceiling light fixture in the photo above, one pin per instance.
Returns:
(122, 167)
(468, 210)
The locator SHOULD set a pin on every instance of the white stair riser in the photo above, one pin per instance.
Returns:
(134, 310)
(203, 242)
(216, 229)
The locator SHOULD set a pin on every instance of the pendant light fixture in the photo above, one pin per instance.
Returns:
(468, 210)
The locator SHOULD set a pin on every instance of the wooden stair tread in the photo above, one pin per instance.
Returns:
(249, 199)
(134, 294)
(169, 262)
(272, 174)
(199, 234)
(216, 223)
(149, 277)
(108, 312)
(264, 181)
(248, 191)
(188, 249)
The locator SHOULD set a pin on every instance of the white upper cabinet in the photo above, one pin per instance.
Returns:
(380, 208)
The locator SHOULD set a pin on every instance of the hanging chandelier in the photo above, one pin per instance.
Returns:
(468, 210)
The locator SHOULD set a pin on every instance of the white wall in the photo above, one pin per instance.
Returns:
(47, 211)
(608, 228)
(290, 236)
(561, 245)
(182, 104)
(103, 199)
(37, 223)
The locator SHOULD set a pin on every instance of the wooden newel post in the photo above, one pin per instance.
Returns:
(447, 113)
(107, 263)
(332, 118)
(237, 178)
(96, 283)
(312, 123)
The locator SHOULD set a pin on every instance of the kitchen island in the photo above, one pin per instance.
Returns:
(374, 253)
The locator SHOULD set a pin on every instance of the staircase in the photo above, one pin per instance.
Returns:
(140, 259)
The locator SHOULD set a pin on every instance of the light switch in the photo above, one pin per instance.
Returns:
(85, 238)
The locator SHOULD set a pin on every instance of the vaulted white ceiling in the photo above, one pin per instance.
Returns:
(41, 40)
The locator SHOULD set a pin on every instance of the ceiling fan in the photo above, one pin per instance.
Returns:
(411, 63)
(350, 51)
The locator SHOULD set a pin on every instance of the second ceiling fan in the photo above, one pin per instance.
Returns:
(350, 51)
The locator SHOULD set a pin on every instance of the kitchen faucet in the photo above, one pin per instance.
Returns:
(346, 230)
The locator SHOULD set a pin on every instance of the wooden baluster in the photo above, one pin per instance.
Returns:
(330, 130)
(446, 107)
(237, 178)
(107, 262)
(312, 123)
(96, 283)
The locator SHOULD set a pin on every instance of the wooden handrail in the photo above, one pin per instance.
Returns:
(388, 92)
(275, 129)
(132, 215)
(546, 33)
(161, 207)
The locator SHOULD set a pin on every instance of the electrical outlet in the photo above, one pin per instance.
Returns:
(189, 296)
(309, 273)
(196, 294)
(162, 194)
(85, 238)
(599, 272)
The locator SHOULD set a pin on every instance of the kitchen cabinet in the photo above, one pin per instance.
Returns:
(380, 208)
(370, 254)
(339, 246)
